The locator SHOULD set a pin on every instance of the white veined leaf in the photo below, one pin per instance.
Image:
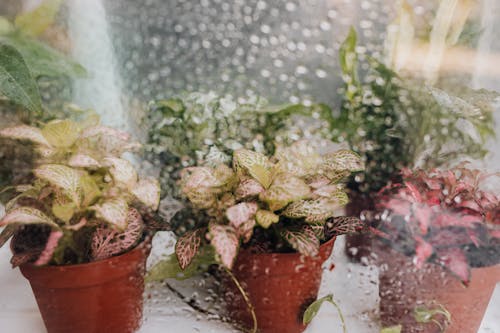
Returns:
(186, 247)
(61, 133)
(313, 210)
(61, 176)
(80, 160)
(24, 132)
(255, 164)
(106, 131)
(122, 171)
(147, 191)
(27, 215)
(300, 159)
(266, 218)
(285, 189)
(113, 212)
(343, 160)
(225, 242)
(241, 213)
(302, 238)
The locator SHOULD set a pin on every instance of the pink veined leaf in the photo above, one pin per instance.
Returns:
(114, 212)
(107, 242)
(423, 215)
(245, 231)
(241, 213)
(423, 252)
(50, 247)
(187, 247)
(248, 187)
(225, 242)
(83, 161)
(470, 204)
(474, 237)
(303, 239)
(455, 260)
(147, 191)
(24, 132)
(196, 177)
(417, 197)
(62, 176)
(122, 171)
(103, 130)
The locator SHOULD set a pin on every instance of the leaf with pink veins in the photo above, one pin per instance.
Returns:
(225, 242)
(147, 191)
(241, 213)
(50, 247)
(24, 132)
(187, 247)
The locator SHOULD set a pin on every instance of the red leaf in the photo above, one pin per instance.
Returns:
(455, 260)
(398, 206)
(413, 190)
(443, 220)
(423, 252)
(423, 215)
(187, 247)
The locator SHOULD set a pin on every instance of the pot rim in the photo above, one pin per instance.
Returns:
(285, 254)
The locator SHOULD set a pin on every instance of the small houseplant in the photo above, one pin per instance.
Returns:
(271, 223)
(78, 228)
(444, 217)
(394, 121)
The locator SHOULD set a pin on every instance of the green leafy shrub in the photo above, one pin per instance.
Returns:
(84, 202)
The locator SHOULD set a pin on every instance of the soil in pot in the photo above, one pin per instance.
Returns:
(101, 296)
(403, 287)
(280, 286)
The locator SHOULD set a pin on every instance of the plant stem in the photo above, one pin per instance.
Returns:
(245, 297)
(341, 316)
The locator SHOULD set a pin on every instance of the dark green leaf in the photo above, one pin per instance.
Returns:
(16, 81)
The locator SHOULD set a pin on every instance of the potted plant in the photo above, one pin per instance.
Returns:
(79, 227)
(443, 217)
(395, 121)
(270, 223)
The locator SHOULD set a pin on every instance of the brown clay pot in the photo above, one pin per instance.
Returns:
(403, 286)
(280, 286)
(101, 296)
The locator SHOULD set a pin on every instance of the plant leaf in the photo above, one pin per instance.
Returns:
(455, 260)
(7, 233)
(27, 215)
(90, 190)
(147, 191)
(61, 133)
(343, 160)
(342, 225)
(35, 22)
(266, 218)
(302, 238)
(64, 211)
(257, 165)
(64, 177)
(187, 247)
(24, 132)
(248, 187)
(285, 188)
(313, 210)
(241, 213)
(16, 81)
(122, 171)
(392, 329)
(50, 247)
(114, 212)
(83, 161)
(225, 242)
(313, 309)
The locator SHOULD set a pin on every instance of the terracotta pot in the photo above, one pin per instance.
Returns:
(358, 245)
(101, 296)
(403, 286)
(280, 286)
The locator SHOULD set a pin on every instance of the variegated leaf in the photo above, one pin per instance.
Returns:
(64, 211)
(312, 210)
(61, 176)
(241, 213)
(342, 225)
(61, 133)
(266, 218)
(147, 191)
(255, 164)
(343, 160)
(302, 238)
(50, 247)
(225, 242)
(114, 212)
(187, 247)
(24, 132)
(319, 229)
(300, 159)
(80, 160)
(248, 187)
(90, 190)
(106, 131)
(122, 171)
(202, 198)
(27, 215)
(245, 230)
(196, 177)
(286, 188)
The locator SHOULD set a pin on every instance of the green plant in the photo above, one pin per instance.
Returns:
(84, 202)
(395, 122)
(313, 309)
(284, 203)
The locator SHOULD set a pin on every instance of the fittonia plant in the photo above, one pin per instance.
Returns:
(286, 202)
(84, 203)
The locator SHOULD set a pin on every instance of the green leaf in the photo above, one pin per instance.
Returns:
(90, 190)
(16, 81)
(285, 189)
(61, 133)
(255, 164)
(348, 57)
(35, 22)
(5, 26)
(64, 211)
(43, 60)
(392, 329)
(343, 160)
(313, 310)
(265, 218)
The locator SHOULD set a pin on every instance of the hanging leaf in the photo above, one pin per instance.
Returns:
(266, 218)
(50, 247)
(187, 247)
(342, 225)
(225, 242)
(285, 188)
(241, 213)
(16, 81)
(114, 212)
(64, 177)
(35, 22)
(61, 133)
(24, 132)
(7, 233)
(27, 215)
(302, 239)
(122, 171)
(147, 191)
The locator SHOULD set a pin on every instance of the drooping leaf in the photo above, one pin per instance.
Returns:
(225, 242)
(285, 188)
(61, 133)
(50, 247)
(241, 213)
(24, 132)
(266, 218)
(35, 22)
(27, 215)
(16, 80)
(187, 247)
(114, 212)
(122, 171)
(63, 177)
(7, 233)
(313, 309)
(147, 191)
(342, 225)
(302, 238)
